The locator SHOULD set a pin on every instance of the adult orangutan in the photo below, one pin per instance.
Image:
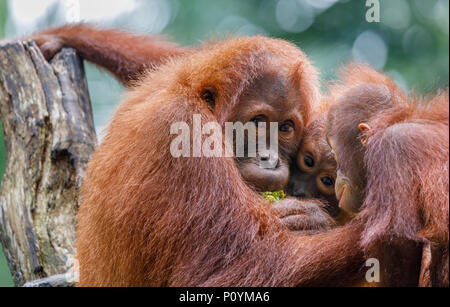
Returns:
(393, 164)
(129, 57)
(124, 238)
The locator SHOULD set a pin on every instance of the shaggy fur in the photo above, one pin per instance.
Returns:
(126, 55)
(148, 219)
(405, 167)
(202, 225)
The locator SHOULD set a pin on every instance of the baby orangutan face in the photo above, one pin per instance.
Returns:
(314, 175)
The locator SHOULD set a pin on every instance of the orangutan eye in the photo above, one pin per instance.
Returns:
(287, 127)
(209, 96)
(309, 161)
(327, 181)
(259, 119)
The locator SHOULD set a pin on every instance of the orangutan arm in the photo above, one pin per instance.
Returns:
(124, 54)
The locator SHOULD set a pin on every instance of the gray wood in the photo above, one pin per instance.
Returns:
(49, 136)
(56, 281)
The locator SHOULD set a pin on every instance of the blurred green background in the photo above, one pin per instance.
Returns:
(411, 43)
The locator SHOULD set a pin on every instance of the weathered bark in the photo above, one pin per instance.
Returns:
(55, 281)
(49, 137)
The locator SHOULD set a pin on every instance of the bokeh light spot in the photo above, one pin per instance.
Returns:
(396, 14)
(370, 47)
(294, 16)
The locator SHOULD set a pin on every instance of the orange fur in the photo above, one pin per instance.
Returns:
(401, 163)
(124, 54)
(148, 219)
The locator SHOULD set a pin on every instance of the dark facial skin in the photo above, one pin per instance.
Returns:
(267, 100)
(314, 174)
(349, 193)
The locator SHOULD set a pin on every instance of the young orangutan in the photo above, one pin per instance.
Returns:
(392, 156)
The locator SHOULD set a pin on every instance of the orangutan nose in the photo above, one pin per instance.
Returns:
(269, 159)
(301, 192)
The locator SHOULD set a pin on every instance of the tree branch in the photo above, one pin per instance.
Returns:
(49, 137)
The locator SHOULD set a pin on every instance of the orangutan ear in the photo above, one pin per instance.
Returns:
(363, 127)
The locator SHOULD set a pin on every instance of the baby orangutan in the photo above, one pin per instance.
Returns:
(393, 168)
(314, 175)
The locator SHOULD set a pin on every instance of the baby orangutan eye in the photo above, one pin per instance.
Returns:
(327, 181)
(309, 161)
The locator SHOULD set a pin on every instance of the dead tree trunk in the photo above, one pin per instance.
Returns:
(49, 137)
